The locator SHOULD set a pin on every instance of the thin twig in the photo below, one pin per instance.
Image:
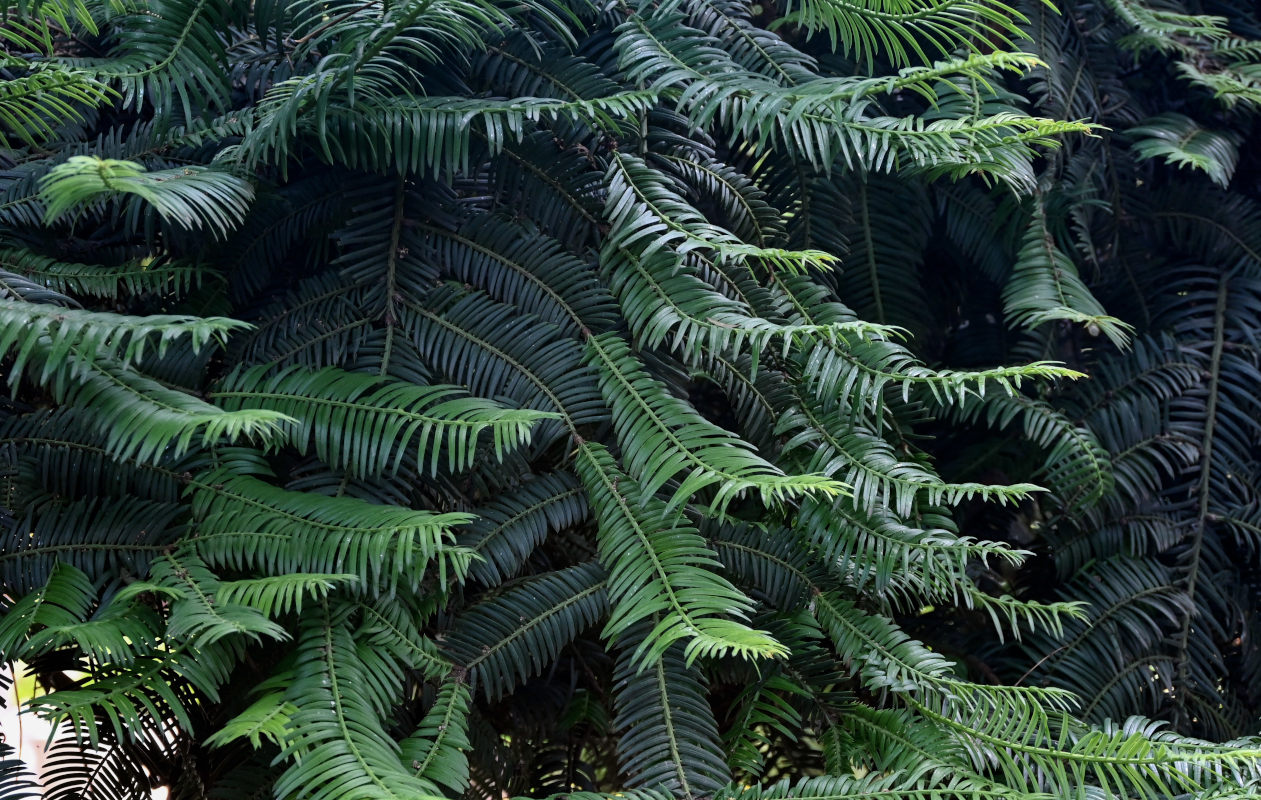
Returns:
(332, 22)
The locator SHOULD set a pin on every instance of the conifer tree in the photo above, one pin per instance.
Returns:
(678, 399)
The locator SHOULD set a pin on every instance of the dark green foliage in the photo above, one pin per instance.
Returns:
(695, 399)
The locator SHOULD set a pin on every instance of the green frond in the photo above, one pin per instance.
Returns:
(561, 188)
(521, 67)
(1076, 463)
(645, 215)
(119, 633)
(507, 529)
(660, 569)
(170, 53)
(393, 628)
(281, 219)
(854, 371)
(1230, 791)
(367, 425)
(280, 594)
(765, 713)
(662, 438)
(1013, 614)
(775, 564)
(755, 49)
(887, 229)
(243, 522)
(63, 600)
(1133, 757)
(883, 553)
(743, 204)
(1044, 286)
(873, 785)
(130, 698)
(436, 750)
(379, 251)
(658, 50)
(20, 287)
(1182, 142)
(1156, 369)
(868, 465)
(100, 536)
(897, 741)
(109, 769)
(34, 105)
(1162, 29)
(143, 420)
(776, 705)
(495, 353)
(824, 125)
(941, 77)
(1236, 49)
(1231, 87)
(1143, 451)
(667, 303)
(429, 135)
(1134, 607)
(342, 750)
(526, 269)
(1210, 224)
(198, 614)
(900, 30)
(669, 739)
(970, 217)
(515, 633)
(633, 794)
(146, 276)
(194, 197)
(268, 718)
(320, 323)
(64, 343)
(757, 399)
(886, 659)
(63, 452)
(64, 13)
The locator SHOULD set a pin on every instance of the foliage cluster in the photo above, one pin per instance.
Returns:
(676, 398)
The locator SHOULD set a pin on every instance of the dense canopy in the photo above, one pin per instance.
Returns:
(654, 398)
